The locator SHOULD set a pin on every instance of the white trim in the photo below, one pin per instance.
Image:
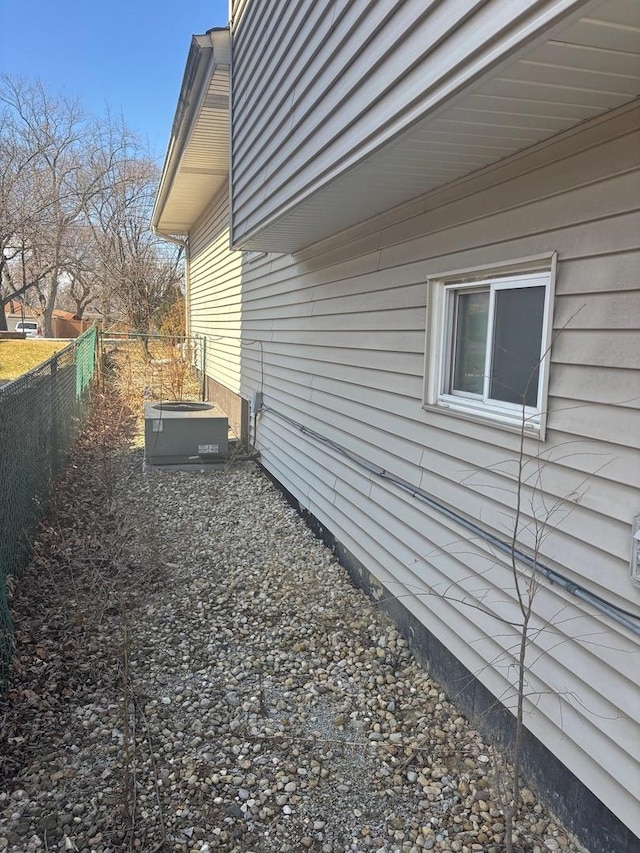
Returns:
(251, 256)
(207, 53)
(528, 272)
(547, 340)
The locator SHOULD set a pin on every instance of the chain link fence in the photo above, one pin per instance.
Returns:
(40, 414)
(155, 367)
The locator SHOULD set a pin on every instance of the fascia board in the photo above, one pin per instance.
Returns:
(207, 52)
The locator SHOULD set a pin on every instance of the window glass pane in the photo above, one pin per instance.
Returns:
(472, 312)
(517, 340)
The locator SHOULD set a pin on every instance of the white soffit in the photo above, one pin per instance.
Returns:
(579, 70)
(197, 162)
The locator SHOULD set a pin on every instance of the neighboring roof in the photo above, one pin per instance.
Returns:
(197, 160)
(15, 308)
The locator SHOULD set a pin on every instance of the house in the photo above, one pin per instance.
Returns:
(64, 324)
(413, 242)
(16, 311)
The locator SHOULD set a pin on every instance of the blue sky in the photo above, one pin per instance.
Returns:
(127, 54)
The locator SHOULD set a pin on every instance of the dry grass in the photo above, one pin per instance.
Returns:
(161, 372)
(18, 357)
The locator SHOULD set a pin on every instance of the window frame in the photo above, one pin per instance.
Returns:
(441, 342)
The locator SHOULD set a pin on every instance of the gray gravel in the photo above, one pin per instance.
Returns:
(267, 704)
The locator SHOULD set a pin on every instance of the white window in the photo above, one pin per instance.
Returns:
(488, 339)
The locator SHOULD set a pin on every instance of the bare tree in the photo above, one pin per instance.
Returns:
(80, 285)
(75, 202)
(139, 272)
(48, 133)
(21, 213)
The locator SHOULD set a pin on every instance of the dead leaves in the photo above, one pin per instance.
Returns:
(61, 597)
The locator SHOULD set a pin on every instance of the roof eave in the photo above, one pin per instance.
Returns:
(208, 52)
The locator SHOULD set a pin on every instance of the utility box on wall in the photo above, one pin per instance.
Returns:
(184, 433)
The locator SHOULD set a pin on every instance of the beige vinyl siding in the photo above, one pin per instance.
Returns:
(214, 291)
(325, 76)
(337, 102)
(342, 328)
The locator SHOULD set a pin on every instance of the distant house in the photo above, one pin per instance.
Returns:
(15, 312)
(422, 272)
(64, 324)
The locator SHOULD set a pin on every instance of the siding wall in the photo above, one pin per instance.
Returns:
(342, 333)
(214, 294)
(318, 87)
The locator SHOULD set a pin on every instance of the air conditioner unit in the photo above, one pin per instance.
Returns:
(184, 433)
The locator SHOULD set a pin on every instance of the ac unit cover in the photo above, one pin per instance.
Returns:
(180, 433)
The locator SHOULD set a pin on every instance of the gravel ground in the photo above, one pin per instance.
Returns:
(221, 685)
